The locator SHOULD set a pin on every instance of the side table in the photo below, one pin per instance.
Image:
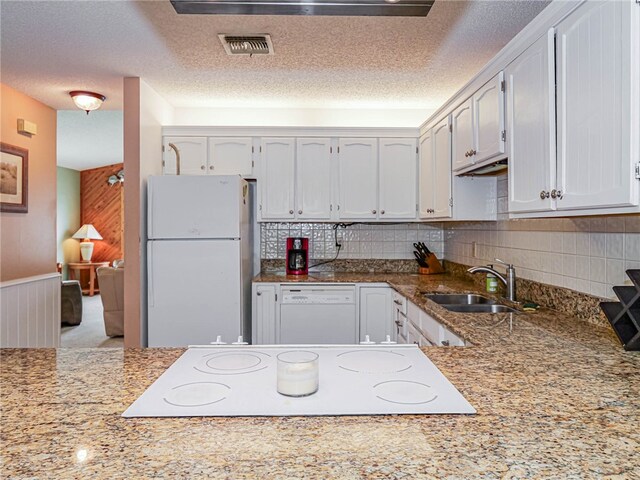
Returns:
(91, 266)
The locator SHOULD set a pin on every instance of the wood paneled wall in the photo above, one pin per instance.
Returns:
(103, 207)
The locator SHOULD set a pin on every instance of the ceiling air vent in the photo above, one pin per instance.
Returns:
(247, 44)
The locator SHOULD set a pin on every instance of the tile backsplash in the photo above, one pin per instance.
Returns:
(587, 254)
(359, 240)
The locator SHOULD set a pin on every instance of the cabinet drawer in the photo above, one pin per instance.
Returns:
(430, 328)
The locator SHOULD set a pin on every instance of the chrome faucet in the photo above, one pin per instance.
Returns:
(509, 281)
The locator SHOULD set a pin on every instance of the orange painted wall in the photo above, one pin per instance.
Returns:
(102, 206)
(28, 240)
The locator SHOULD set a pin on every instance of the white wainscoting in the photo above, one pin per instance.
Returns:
(30, 312)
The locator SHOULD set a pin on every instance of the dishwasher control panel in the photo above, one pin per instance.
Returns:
(318, 296)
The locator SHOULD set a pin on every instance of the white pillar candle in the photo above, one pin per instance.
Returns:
(298, 373)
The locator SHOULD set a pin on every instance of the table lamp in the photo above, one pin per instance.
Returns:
(87, 232)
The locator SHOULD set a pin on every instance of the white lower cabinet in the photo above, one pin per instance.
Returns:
(264, 313)
(429, 330)
(376, 313)
(381, 311)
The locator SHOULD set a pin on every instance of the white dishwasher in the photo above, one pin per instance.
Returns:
(318, 314)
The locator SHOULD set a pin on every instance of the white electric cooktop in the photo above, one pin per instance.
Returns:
(240, 380)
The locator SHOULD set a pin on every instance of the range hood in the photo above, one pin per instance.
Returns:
(488, 169)
(403, 8)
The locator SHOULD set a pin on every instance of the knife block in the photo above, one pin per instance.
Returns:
(434, 266)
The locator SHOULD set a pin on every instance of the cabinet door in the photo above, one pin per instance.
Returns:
(358, 178)
(376, 314)
(397, 178)
(488, 120)
(189, 152)
(264, 313)
(442, 170)
(313, 186)
(531, 127)
(450, 339)
(595, 60)
(276, 179)
(463, 142)
(426, 175)
(230, 156)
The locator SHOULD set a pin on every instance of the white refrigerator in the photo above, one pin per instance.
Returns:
(199, 260)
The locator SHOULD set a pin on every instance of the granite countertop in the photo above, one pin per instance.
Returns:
(556, 398)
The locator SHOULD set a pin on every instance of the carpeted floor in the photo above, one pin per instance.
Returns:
(90, 333)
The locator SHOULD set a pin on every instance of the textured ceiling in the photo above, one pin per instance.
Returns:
(89, 141)
(51, 47)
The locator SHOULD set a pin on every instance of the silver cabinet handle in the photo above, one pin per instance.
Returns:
(397, 302)
(544, 194)
(466, 154)
(373, 211)
(299, 212)
(175, 149)
(258, 294)
(445, 343)
(556, 194)
(202, 167)
(290, 212)
(210, 167)
(381, 212)
(472, 153)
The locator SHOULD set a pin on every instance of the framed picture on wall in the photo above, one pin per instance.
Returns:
(14, 178)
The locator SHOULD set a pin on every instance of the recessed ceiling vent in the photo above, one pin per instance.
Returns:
(247, 44)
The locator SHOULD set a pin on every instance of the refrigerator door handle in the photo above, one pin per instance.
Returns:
(150, 295)
(175, 149)
(150, 211)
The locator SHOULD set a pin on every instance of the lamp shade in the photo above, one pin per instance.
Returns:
(87, 231)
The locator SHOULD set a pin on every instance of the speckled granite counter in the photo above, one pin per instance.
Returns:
(556, 398)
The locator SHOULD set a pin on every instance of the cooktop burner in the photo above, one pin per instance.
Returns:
(404, 392)
(231, 363)
(197, 394)
(373, 361)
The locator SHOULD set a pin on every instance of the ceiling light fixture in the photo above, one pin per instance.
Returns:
(87, 101)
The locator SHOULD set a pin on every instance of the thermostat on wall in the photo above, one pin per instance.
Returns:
(24, 126)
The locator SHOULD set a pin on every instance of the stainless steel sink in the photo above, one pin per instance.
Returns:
(459, 299)
(479, 308)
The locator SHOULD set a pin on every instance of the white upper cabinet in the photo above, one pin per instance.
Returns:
(488, 120)
(276, 183)
(230, 156)
(463, 141)
(189, 154)
(358, 178)
(531, 127)
(478, 126)
(426, 175)
(313, 179)
(442, 170)
(398, 161)
(597, 100)
(435, 172)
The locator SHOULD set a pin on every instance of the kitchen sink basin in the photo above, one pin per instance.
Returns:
(459, 299)
(480, 308)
